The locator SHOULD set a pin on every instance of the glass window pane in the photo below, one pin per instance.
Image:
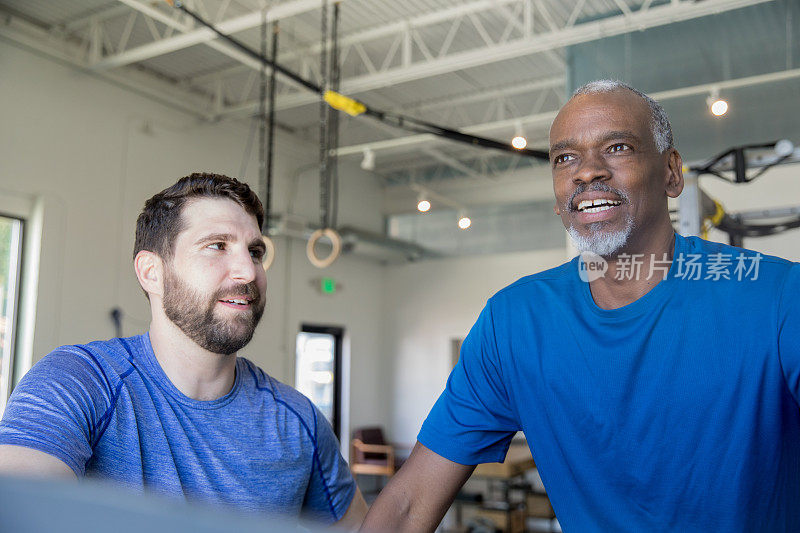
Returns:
(10, 241)
(314, 371)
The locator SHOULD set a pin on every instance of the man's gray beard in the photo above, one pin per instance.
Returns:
(601, 242)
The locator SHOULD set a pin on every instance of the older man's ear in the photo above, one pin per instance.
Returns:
(675, 174)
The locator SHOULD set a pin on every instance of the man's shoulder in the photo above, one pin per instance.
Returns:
(699, 245)
(108, 358)
(76, 378)
(769, 267)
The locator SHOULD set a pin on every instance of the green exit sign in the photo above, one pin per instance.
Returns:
(327, 286)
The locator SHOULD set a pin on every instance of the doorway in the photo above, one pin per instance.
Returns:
(318, 369)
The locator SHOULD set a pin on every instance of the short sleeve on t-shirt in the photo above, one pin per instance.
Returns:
(58, 407)
(473, 420)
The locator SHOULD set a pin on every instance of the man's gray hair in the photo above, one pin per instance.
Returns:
(659, 122)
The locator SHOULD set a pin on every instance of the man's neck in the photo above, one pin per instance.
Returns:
(634, 272)
(196, 372)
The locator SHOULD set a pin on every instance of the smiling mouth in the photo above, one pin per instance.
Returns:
(597, 206)
(243, 302)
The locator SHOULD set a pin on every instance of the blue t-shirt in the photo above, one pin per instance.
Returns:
(678, 412)
(107, 409)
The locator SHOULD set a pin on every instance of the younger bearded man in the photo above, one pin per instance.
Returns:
(175, 410)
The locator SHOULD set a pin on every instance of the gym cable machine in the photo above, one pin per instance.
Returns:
(698, 212)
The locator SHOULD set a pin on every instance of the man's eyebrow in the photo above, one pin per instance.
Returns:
(608, 136)
(225, 237)
(622, 134)
(563, 144)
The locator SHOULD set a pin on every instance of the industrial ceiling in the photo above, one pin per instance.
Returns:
(487, 67)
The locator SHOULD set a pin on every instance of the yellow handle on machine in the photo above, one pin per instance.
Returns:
(344, 103)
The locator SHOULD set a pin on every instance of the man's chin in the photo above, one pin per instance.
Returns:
(230, 343)
(238, 316)
(238, 332)
(604, 243)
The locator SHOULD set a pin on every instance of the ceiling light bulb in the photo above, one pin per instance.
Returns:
(423, 206)
(464, 222)
(368, 163)
(519, 142)
(784, 148)
(719, 107)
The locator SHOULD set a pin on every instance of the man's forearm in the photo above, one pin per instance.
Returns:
(18, 460)
(393, 511)
(418, 496)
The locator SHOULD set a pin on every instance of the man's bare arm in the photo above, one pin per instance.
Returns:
(418, 496)
(354, 516)
(18, 460)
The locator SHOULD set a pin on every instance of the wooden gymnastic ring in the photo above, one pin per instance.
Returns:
(336, 241)
(269, 253)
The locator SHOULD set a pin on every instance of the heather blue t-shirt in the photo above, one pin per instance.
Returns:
(678, 412)
(108, 410)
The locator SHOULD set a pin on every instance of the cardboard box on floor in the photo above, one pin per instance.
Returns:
(511, 521)
(538, 505)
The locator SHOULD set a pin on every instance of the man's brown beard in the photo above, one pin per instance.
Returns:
(194, 314)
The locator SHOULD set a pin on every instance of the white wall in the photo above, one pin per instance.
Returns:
(92, 153)
(428, 304)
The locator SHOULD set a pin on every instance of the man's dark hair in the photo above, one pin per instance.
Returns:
(160, 221)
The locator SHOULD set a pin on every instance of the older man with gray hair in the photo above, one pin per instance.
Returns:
(646, 406)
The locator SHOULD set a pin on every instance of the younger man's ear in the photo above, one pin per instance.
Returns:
(556, 209)
(150, 272)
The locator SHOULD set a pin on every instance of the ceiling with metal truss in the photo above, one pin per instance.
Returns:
(486, 67)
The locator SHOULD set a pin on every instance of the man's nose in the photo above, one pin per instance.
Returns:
(592, 168)
(243, 267)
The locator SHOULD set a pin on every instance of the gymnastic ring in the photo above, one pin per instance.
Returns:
(269, 253)
(336, 241)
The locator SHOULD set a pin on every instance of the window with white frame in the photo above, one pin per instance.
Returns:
(10, 255)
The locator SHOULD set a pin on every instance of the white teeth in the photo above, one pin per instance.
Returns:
(597, 209)
(237, 301)
(595, 206)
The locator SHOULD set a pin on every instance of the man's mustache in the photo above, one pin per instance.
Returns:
(597, 186)
(240, 290)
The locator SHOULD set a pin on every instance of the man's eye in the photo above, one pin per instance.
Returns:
(257, 253)
(619, 147)
(563, 158)
(217, 246)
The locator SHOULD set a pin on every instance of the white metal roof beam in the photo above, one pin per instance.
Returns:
(496, 95)
(510, 90)
(387, 30)
(537, 43)
(544, 119)
(34, 38)
(451, 162)
(100, 15)
(192, 37)
(539, 119)
(433, 152)
(395, 28)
